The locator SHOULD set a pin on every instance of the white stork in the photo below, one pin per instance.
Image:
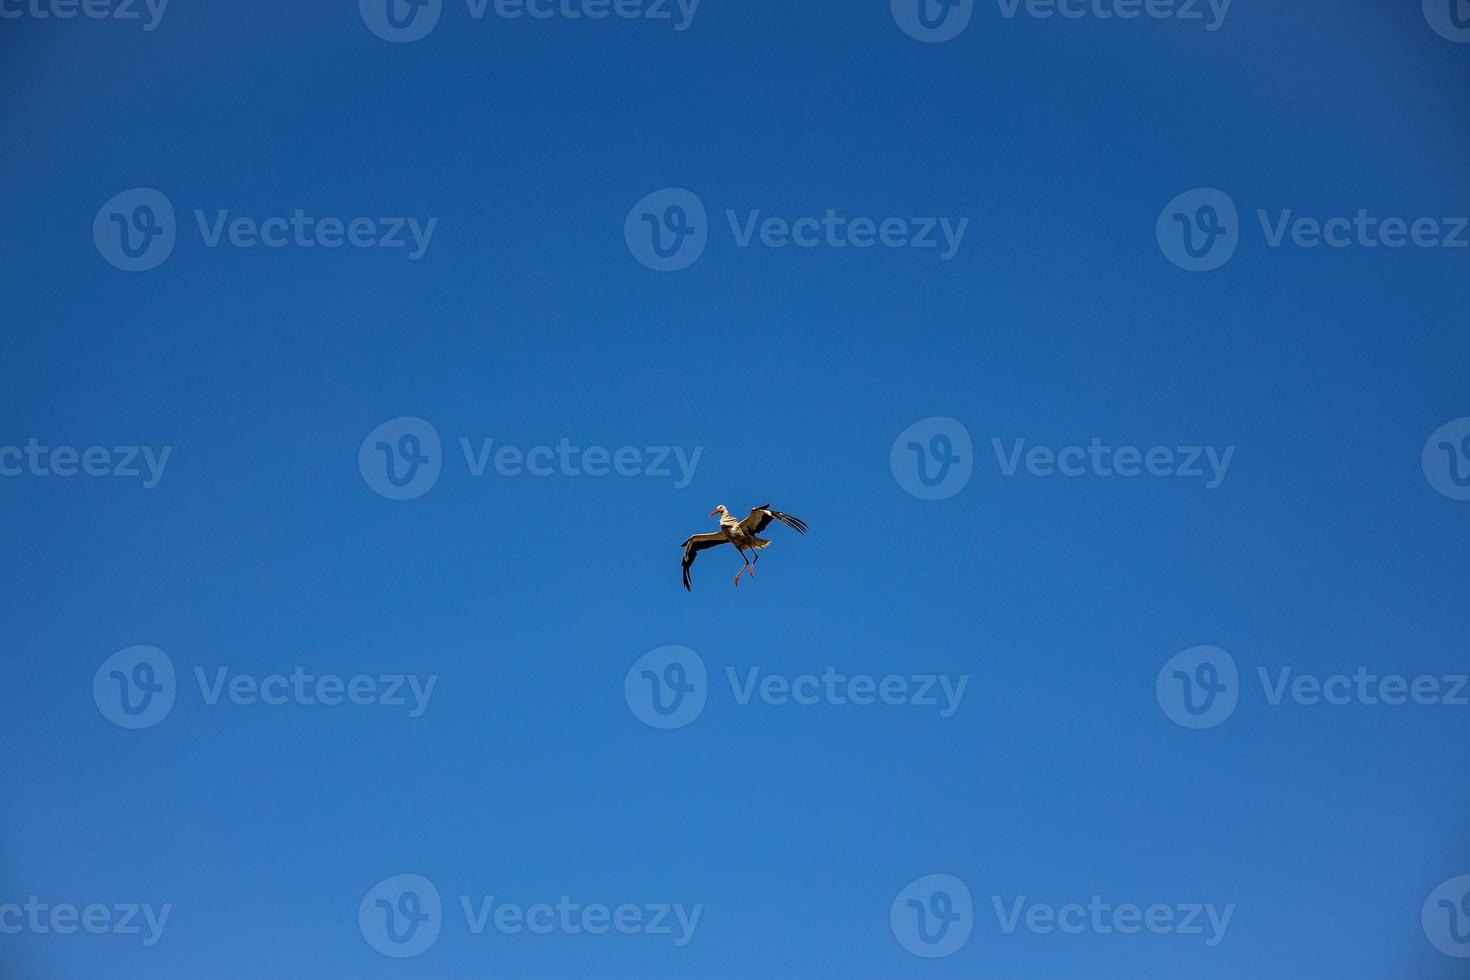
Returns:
(742, 534)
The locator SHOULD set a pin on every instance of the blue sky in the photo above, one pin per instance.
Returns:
(264, 542)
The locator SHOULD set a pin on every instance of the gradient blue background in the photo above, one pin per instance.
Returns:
(528, 320)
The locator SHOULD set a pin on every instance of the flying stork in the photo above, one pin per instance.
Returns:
(742, 534)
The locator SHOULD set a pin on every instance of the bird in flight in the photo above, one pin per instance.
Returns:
(742, 534)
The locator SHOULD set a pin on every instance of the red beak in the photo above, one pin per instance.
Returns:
(714, 512)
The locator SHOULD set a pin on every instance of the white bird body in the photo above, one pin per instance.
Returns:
(742, 534)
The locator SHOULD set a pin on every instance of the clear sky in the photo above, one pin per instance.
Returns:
(526, 312)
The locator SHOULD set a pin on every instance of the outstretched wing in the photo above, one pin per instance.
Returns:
(762, 516)
(694, 546)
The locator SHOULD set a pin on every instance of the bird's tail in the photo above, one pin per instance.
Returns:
(759, 542)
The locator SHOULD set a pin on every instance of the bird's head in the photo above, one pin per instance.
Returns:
(722, 510)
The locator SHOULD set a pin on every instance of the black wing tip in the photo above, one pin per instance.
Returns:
(795, 523)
